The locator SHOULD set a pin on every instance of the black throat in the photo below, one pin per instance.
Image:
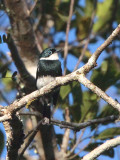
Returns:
(49, 67)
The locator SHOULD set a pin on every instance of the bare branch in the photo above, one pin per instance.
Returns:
(76, 144)
(99, 50)
(25, 76)
(99, 92)
(22, 33)
(67, 133)
(33, 6)
(67, 33)
(75, 155)
(99, 150)
(30, 138)
(75, 126)
(15, 136)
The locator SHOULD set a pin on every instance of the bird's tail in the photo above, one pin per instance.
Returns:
(46, 114)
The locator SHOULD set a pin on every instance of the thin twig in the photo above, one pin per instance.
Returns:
(28, 133)
(33, 6)
(67, 34)
(67, 132)
(76, 126)
(91, 138)
(31, 138)
(77, 143)
(72, 157)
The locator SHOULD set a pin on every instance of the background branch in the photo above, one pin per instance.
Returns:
(65, 139)
(33, 134)
(67, 34)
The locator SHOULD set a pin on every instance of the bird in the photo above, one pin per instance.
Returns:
(48, 68)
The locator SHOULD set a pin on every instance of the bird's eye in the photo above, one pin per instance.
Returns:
(50, 52)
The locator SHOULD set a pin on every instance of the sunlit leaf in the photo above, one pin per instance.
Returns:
(104, 14)
(7, 81)
(108, 133)
(89, 7)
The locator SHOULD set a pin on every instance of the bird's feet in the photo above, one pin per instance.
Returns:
(29, 102)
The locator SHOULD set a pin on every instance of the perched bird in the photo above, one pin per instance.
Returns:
(49, 67)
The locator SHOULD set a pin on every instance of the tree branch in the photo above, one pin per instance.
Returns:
(22, 33)
(82, 79)
(67, 33)
(25, 76)
(65, 139)
(74, 76)
(15, 136)
(99, 150)
(78, 126)
(78, 75)
(75, 126)
(30, 138)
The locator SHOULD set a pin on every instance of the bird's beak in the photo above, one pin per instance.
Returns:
(59, 50)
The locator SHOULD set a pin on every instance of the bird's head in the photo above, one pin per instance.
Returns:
(49, 54)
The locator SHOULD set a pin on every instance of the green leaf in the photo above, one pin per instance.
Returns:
(104, 14)
(9, 84)
(88, 10)
(83, 25)
(108, 133)
(108, 74)
(107, 111)
(89, 106)
(118, 13)
(62, 17)
(75, 111)
(73, 87)
(64, 91)
(104, 67)
(76, 92)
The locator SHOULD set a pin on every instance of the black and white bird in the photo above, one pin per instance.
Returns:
(49, 67)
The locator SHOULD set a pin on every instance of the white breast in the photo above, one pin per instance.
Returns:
(43, 81)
